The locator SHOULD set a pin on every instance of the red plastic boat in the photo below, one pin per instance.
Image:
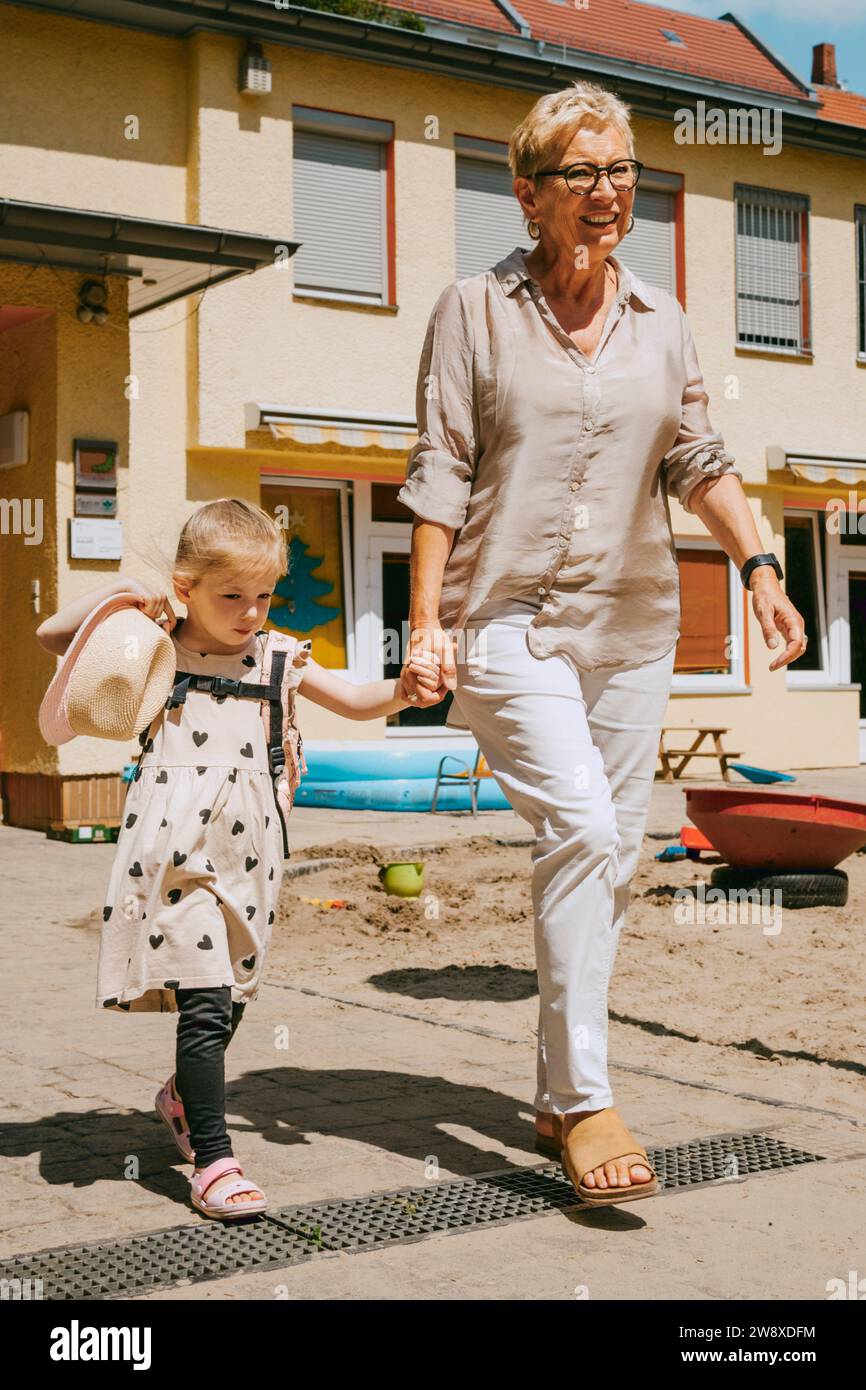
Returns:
(777, 830)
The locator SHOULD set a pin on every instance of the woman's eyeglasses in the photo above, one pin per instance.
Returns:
(582, 178)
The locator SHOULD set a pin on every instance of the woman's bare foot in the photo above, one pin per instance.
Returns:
(616, 1173)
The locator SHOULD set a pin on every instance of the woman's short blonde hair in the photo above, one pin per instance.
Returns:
(554, 120)
(229, 537)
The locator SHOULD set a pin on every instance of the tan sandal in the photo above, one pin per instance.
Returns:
(602, 1138)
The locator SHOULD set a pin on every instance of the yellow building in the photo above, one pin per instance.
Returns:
(222, 231)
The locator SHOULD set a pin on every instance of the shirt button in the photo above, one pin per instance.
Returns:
(541, 589)
(590, 369)
(574, 485)
(588, 425)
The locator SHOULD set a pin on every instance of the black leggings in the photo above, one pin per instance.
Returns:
(206, 1025)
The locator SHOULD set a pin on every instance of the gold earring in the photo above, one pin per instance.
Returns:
(533, 229)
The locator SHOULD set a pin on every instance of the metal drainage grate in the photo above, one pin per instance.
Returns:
(191, 1254)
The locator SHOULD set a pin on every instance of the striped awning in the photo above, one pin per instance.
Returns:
(394, 434)
(819, 468)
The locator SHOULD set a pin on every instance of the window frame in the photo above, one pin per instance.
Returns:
(805, 348)
(860, 276)
(269, 477)
(346, 125)
(801, 680)
(712, 683)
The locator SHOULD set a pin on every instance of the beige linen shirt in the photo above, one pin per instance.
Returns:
(555, 467)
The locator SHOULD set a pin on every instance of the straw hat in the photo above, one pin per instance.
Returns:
(115, 676)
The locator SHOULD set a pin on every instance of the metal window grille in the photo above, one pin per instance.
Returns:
(772, 269)
(860, 225)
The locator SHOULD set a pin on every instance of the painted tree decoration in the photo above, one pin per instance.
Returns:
(300, 591)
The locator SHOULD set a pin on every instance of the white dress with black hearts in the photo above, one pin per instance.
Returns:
(194, 885)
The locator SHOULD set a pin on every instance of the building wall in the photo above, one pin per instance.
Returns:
(205, 153)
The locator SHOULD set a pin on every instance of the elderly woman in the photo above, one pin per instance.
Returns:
(559, 402)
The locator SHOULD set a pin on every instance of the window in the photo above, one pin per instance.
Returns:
(340, 193)
(649, 249)
(313, 598)
(804, 584)
(860, 232)
(772, 270)
(489, 219)
(709, 654)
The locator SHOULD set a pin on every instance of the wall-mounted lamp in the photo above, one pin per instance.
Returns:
(254, 77)
(92, 302)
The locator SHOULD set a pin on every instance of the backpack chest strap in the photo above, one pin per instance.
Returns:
(219, 686)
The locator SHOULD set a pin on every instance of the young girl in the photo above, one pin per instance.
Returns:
(195, 881)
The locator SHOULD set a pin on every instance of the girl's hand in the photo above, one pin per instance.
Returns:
(430, 639)
(419, 683)
(153, 601)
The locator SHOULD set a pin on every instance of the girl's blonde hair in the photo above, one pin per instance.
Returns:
(229, 537)
(555, 118)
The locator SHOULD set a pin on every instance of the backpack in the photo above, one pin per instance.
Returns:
(283, 665)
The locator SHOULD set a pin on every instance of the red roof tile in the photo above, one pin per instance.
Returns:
(712, 48)
(849, 108)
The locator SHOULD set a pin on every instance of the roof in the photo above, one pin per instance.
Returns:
(721, 49)
(163, 261)
(848, 108)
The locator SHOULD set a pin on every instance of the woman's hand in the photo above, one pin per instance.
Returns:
(777, 616)
(429, 641)
(419, 680)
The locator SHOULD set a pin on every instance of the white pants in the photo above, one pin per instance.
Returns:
(575, 754)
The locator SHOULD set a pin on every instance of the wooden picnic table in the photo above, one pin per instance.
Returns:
(670, 773)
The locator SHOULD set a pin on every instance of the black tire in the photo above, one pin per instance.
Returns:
(822, 888)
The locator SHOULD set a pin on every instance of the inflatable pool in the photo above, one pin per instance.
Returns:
(377, 779)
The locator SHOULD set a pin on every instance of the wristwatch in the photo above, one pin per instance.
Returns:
(754, 562)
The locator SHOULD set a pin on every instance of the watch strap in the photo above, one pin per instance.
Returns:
(752, 564)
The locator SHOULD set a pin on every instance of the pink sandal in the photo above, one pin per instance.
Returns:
(220, 1207)
(171, 1112)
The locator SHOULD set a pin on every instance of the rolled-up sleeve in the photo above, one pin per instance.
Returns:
(441, 466)
(699, 451)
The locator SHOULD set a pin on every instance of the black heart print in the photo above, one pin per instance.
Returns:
(163, 822)
(201, 771)
(249, 661)
(271, 874)
(205, 815)
(233, 775)
(247, 750)
(270, 918)
(209, 866)
(106, 913)
(156, 941)
(221, 699)
(267, 821)
(130, 820)
(178, 858)
(198, 738)
(174, 895)
(109, 1003)
(248, 963)
(161, 776)
(237, 827)
(250, 863)
(205, 944)
(251, 912)
(135, 870)
(171, 984)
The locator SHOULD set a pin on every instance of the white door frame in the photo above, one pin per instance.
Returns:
(841, 562)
